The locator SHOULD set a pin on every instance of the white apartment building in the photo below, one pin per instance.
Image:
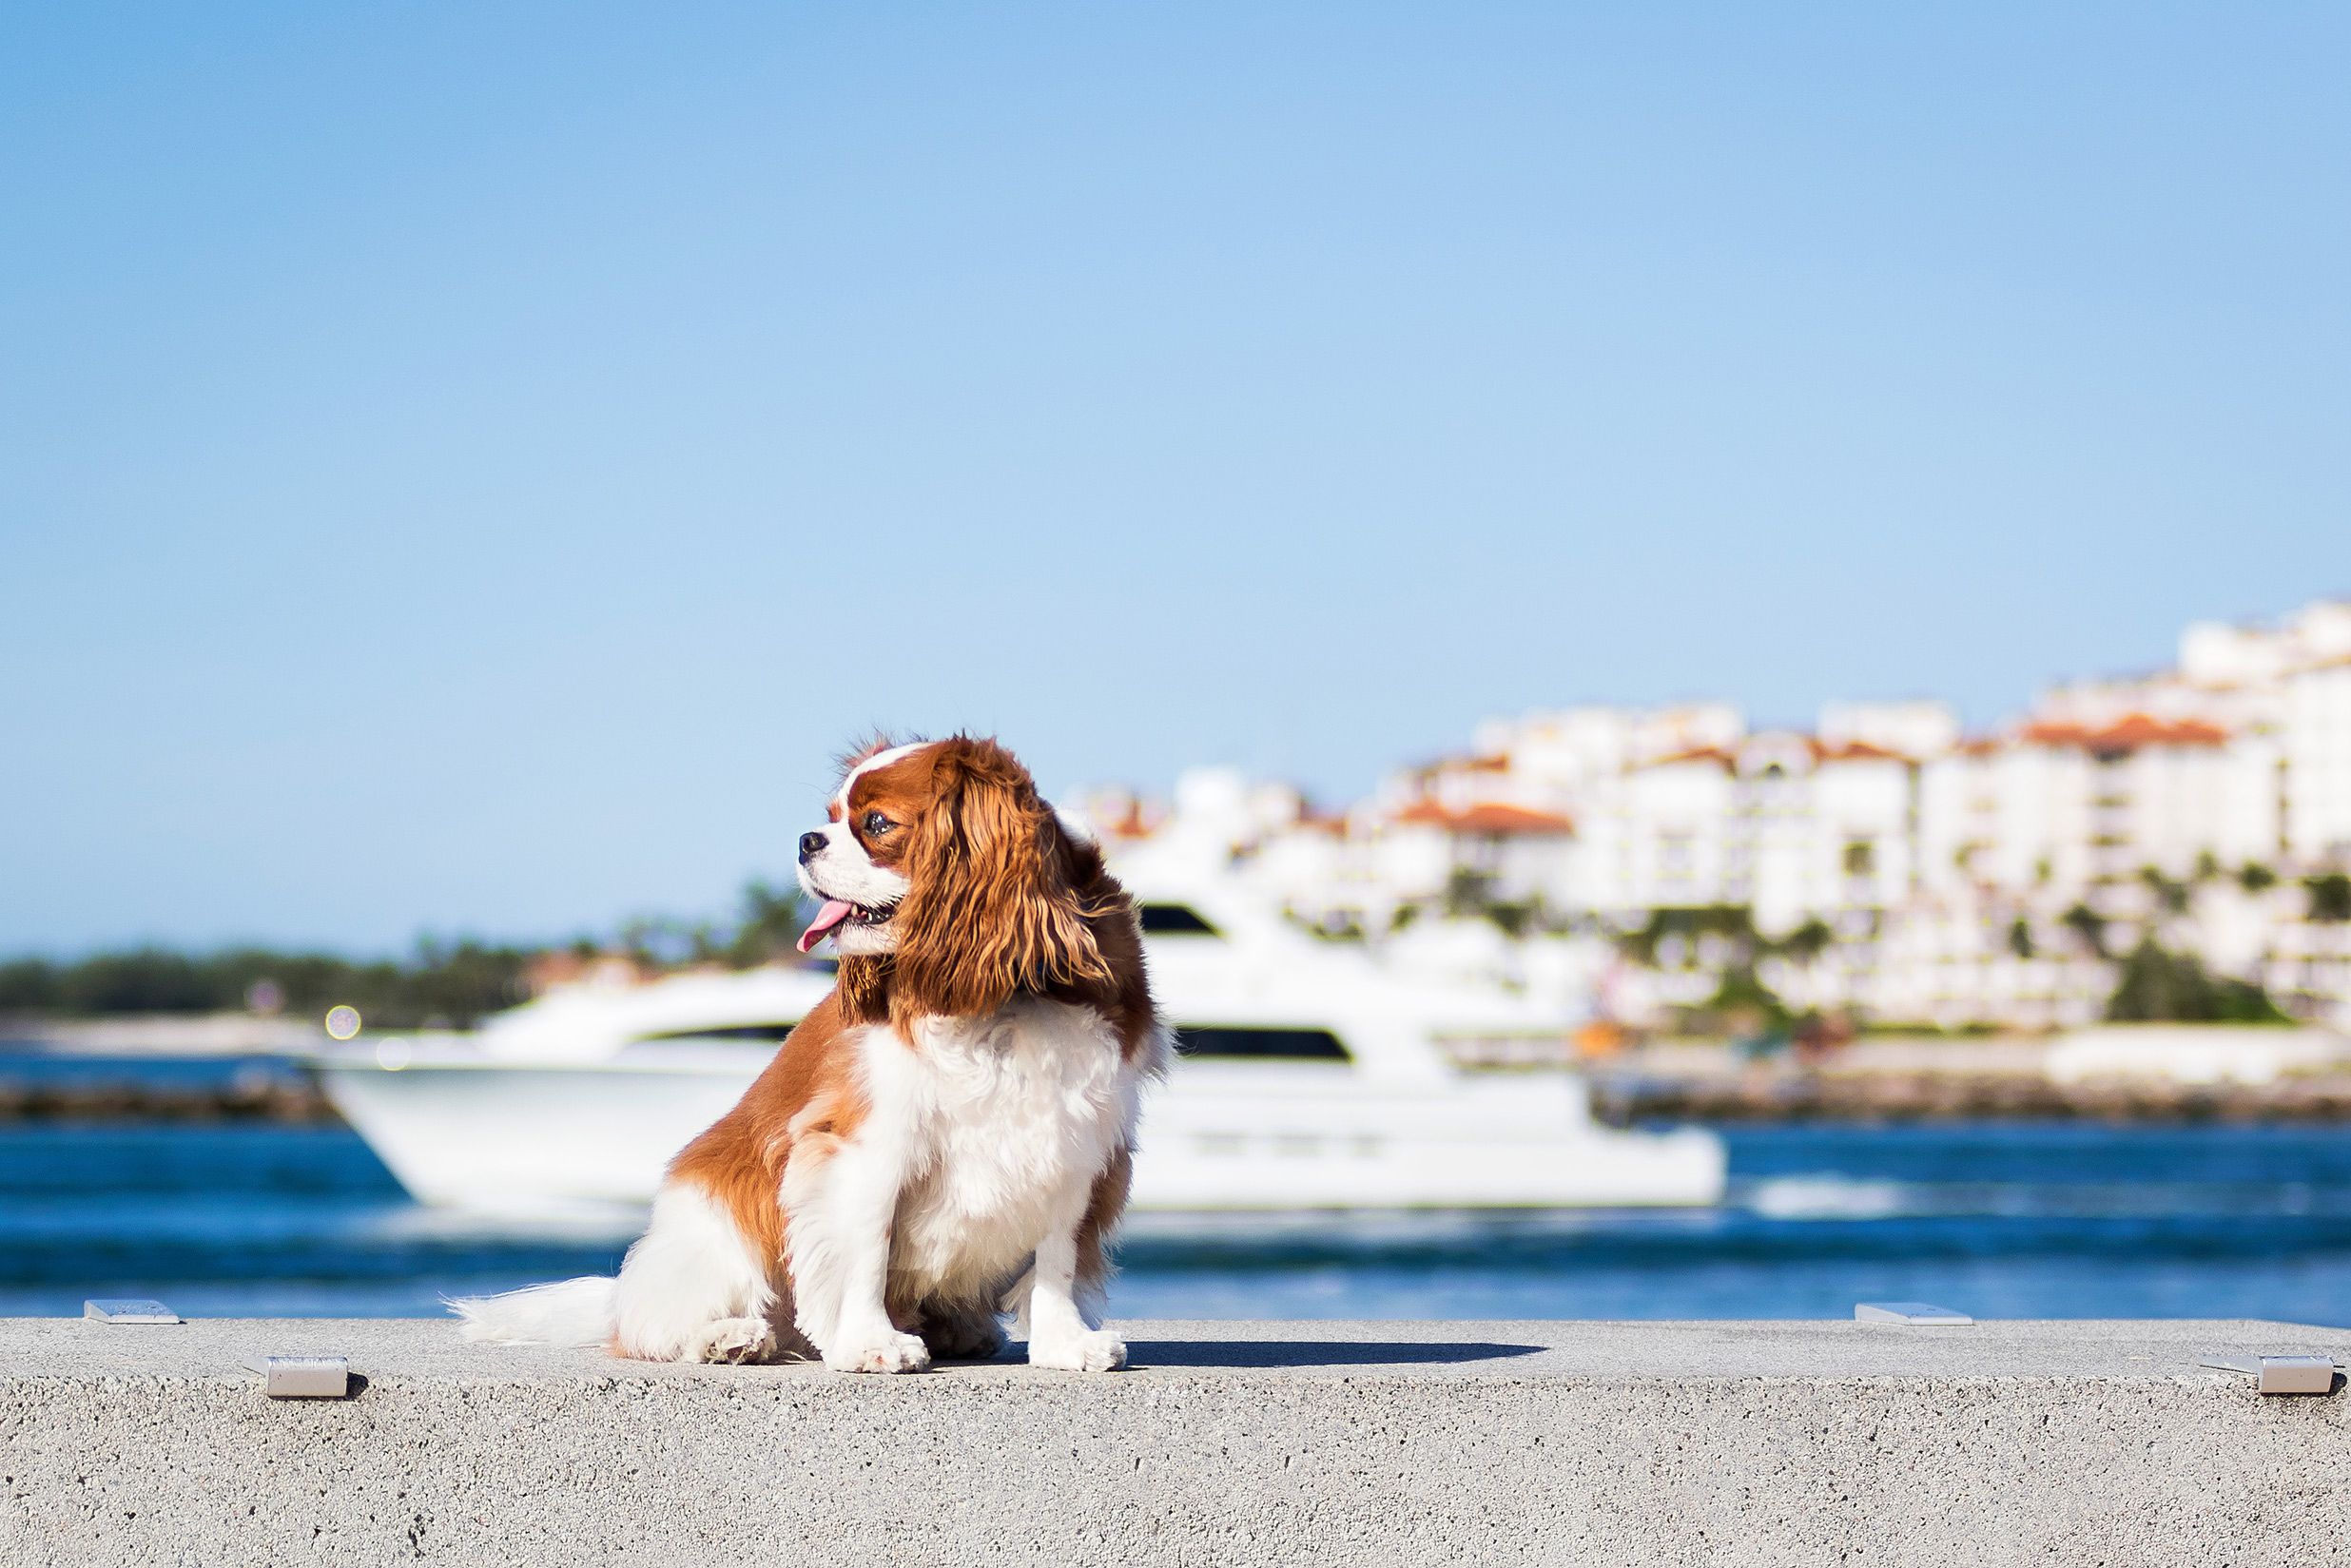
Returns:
(1984, 880)
(2054, 803)
(1794, 830)
(1796, 826)
(2316, 759)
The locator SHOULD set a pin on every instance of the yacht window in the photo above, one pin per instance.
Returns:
(768, 1031)
(1173, 919)
(1314, 1045)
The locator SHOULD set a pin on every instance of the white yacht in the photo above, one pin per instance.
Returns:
(583, 1096)
(1308, 1078)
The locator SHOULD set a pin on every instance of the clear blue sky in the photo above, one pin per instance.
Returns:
(468, 467)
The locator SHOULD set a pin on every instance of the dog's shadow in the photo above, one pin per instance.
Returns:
(1176, 1354)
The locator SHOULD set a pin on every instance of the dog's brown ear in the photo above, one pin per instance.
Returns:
(991, 910)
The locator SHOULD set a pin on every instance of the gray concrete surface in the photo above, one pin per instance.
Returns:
(1229, 1444)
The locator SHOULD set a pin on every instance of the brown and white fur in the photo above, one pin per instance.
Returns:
(951, 1127)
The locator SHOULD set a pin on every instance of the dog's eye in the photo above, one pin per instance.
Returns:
(876, 824)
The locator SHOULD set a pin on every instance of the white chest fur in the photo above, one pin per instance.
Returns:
(993, 1119)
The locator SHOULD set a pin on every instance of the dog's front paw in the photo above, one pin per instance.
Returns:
(736, 1341)
(1098, 1351)
(889, 1352)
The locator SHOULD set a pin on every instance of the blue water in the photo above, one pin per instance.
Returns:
(2004, 1220)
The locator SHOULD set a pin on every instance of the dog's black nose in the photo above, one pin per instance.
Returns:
(811, 845)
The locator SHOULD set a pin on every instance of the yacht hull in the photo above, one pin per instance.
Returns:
(1272, 1138)
(520, 1137)
(1216, 1137)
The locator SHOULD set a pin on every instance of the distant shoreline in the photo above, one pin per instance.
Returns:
(1626, 1098)
(275, 1093)
(257, 1090)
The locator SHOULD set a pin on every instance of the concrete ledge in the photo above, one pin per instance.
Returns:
(1230, 1443)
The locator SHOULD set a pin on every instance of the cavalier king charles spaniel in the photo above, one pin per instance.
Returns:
(946, 1136)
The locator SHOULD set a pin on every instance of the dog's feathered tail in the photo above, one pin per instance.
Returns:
(566, 1312)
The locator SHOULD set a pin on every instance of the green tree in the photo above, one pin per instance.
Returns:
(29, 985)
(2170, 897)
(2088, 924)
(1740, 991)
(1514, 920)
(1468, 892)
(2330, 896)
(1730, 921)
(2158, 986)
(451, 986)
(1807, 942)
(770, 928)
(2020, 938)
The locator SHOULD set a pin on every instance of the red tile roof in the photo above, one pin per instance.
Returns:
(2128, 733)
(1131, 826)
(1856, 751)
(1696, 754)
(1490, 818)
(1463, 764)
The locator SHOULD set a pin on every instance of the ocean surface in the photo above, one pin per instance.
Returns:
(1999, 1220)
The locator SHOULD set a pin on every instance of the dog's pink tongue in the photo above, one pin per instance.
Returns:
(831, 914)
